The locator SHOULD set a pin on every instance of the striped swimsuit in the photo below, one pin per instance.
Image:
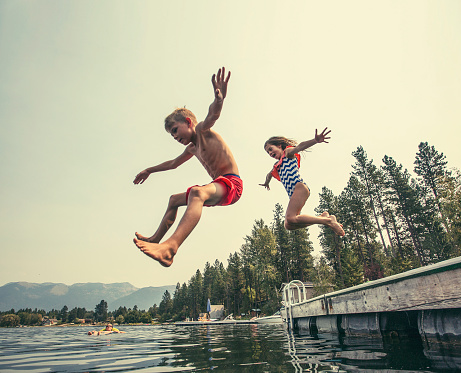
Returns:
(289, 174)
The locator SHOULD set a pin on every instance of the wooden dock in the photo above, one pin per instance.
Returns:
(427, 299)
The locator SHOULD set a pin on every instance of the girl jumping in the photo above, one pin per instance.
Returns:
(286, 170)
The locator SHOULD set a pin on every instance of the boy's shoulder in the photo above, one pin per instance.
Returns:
(199, 126)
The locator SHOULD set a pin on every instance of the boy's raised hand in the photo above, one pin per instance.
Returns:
(322, 136)
(220, 83)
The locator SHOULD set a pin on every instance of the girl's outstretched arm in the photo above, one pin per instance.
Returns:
(322, 137)
(268, 179)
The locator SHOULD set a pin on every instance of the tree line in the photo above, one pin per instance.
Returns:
(78, 315)
(393, 221)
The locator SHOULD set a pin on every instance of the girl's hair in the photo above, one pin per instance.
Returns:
(280, 140)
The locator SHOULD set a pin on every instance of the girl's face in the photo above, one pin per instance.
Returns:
(275, 151)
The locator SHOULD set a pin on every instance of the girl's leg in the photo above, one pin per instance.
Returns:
(293, 219)
(176, 201)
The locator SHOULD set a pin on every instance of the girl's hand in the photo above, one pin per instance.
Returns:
(322, 136)
(141, 177)
(265, 185)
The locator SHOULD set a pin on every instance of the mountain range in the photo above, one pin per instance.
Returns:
(49, 295)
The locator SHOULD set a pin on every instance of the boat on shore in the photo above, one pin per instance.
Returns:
(228, 320)
(276, 318)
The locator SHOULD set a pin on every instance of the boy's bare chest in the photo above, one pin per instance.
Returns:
(207, 147)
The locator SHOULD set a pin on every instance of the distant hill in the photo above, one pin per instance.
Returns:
(143, 297)
(49, 295)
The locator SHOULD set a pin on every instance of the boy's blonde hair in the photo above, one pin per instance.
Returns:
(179, 115)
(280, 140)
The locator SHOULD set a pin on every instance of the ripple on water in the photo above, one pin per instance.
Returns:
(229, 348)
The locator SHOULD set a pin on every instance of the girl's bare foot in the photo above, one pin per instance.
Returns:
(162, 253)
(325, 214)
(337, 228)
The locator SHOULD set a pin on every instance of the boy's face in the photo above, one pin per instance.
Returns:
(275, 151)
(182, 132)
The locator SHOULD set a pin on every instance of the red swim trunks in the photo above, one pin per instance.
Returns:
(234, 186)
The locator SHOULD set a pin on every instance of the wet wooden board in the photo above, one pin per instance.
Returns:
(437, 286)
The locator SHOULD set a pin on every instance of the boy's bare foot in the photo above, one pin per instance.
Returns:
(144, 238)
(337, 228)
(162, 253)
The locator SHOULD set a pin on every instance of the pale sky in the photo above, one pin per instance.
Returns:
(86, 85)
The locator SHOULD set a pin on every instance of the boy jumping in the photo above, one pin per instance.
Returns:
(217, 159)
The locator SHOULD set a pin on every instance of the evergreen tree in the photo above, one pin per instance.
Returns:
(302, 261)
(283, 253)
(323, 277)
(366, 171)
(165, 307)
(331, 245)
(450, 203)
(258, 254)
(430, 165)
(64, 313)
(179, 302)
(197, 299)
(406, 205)
(100, 311)
(236, 284)
(352, 267)
(359, 206)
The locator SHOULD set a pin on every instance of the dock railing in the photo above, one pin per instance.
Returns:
(293, 293)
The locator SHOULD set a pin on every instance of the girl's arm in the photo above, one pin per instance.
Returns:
(168, 165)
(290, 152)
(268, 179)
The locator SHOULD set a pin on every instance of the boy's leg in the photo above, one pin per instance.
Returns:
(176, 201)
(293, 219)
(164, 252)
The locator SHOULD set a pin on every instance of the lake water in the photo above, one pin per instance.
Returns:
(225, 348)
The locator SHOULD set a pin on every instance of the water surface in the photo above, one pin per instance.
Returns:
(225, 348)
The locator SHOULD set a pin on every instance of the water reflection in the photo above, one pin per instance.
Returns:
(227, 348)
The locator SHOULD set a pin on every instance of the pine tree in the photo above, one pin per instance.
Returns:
(355, 194)
(236, 283)
(405, 201)
(100, 311)
(450, 202)
(259, 253)
(331, 244)
(197, 300)
(430, 165)
(282, 244)
(367, 173)
(302, 260)
(165, 307)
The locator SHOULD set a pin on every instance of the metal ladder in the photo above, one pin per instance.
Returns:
(290, 291)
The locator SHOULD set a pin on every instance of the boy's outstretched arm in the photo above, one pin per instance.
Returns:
(168, 165)
(322, 137)
(219, 82)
